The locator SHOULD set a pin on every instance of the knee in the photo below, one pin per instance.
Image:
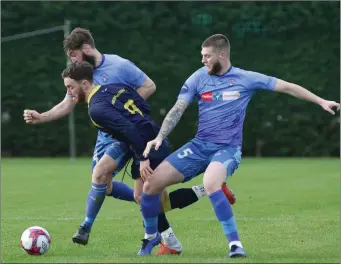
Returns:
(137, 198)
(152, 186)
(211, 186)
(109, 189)
(101, 174)
(148, 187)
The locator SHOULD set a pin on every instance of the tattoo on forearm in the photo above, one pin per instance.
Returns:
(172, 118)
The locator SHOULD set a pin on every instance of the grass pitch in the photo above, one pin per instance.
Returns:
(287, 210)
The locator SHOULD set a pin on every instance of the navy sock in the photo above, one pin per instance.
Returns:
(163, 223)
(182, 198)
(122, 191)
(150, 207)
(94, 203)
(224, 213)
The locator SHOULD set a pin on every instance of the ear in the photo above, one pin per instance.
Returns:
(223, 55)
(86, 48)
(83, 84)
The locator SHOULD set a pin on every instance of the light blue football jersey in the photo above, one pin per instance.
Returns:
(222, 101)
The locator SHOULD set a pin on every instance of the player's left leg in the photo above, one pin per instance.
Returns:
(119, 153)
(222, 165)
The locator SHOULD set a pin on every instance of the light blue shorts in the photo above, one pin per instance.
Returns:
(194, 157)
(117, 150)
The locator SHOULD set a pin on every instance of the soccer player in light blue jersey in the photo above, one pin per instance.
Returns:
(223, 93)
(110, 154)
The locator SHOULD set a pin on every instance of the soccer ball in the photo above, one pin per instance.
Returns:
(35, 240)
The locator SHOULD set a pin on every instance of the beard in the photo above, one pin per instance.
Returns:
(81, 96)
(216, 68)
(90, 59)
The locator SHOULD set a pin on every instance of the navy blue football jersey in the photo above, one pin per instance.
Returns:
(121, 112)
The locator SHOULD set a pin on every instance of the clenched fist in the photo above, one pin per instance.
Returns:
(32, 117)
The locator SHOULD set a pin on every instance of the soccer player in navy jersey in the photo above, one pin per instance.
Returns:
(119, 111)
(223, 93)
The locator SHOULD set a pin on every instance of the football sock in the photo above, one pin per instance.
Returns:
(179, 198)
(94, 203)
(162, 223)
(122, 191)
(224, 213)
(150, 207)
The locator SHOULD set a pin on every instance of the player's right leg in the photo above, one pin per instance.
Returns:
(164, 175)
(171, 171)
(100, 177)
(103, 167)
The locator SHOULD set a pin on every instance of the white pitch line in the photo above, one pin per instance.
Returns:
(25, 218)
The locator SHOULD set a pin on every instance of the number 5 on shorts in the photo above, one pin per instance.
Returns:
(186, 152)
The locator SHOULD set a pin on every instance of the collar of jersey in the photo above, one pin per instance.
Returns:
(92, 93)
(229, 69)
(103, 59)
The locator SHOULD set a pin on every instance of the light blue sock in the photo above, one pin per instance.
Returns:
(94, 203)
(224, 213)
(122, 191)
(150, 207)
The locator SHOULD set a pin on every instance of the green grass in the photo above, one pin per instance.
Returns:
(287, 210)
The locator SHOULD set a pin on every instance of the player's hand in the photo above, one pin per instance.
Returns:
(329, 105)
(156, 143)
(32, 117)
(145, 169)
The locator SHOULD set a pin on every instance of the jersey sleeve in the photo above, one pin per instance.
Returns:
(260, 81)
(110, 119)
(132, 74)
(188, 90)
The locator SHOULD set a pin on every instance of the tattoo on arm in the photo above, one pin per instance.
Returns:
(172, 118)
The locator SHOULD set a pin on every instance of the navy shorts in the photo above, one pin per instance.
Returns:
(121, 153)
(155, 157)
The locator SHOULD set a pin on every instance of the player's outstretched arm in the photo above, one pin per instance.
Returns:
(171, 119)
(62, 109)
(302, 93)
(147, 89)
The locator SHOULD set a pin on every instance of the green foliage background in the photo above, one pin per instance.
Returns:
(295, 41)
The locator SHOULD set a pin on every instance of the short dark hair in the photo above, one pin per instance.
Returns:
(77, 38)
(79, 71)
(217, 41)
